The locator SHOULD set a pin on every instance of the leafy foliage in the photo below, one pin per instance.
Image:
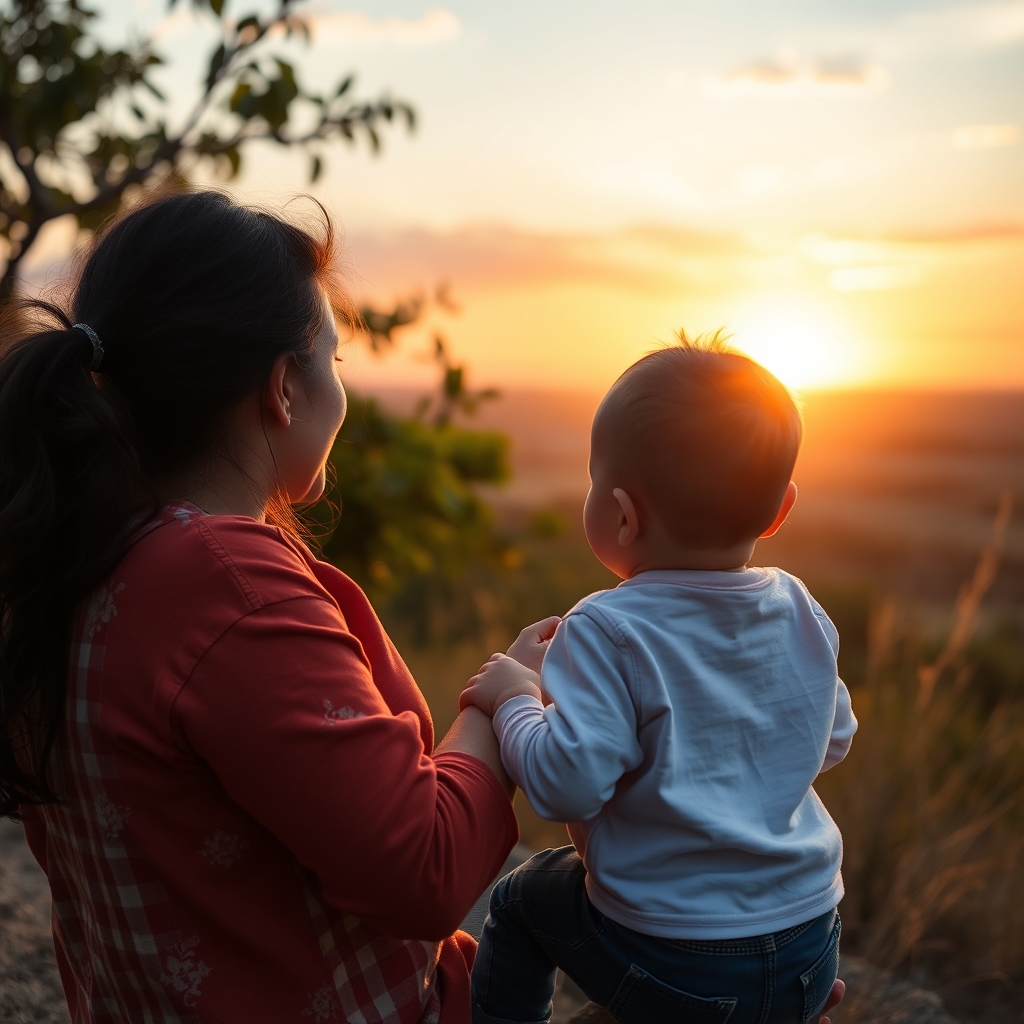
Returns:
(82, 124)
(930, 800)
(411, 521)
(402, 513)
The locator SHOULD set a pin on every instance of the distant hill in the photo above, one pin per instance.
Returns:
(897, 489)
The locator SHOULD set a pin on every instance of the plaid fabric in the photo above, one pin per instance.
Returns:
(376, 978)
(114, 920)
(111, 916)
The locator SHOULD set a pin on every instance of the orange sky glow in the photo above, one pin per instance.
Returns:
(840, 186)
(816, 310)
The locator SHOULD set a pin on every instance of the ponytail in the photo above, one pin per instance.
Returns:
(181, 310)
(68, 483)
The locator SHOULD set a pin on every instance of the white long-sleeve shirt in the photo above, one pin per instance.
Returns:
(691, 712)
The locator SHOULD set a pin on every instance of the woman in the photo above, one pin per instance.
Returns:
(222, 763)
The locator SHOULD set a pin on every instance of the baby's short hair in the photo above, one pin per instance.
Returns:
(707, 436)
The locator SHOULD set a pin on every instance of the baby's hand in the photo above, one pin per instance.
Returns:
(529, 647)
(500, 679)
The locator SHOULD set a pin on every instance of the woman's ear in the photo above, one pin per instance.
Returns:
(629, 521)
(278, 393)
(784, 509)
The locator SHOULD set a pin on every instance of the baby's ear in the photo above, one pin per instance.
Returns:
(784, 509)
(629, 521)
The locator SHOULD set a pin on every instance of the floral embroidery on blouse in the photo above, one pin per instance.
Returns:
(111, 817)
(333, 715)
(322, 1006)
(101, 609)
(185, 972)
(224, 849)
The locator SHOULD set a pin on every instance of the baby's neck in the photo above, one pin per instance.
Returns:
(669, 555)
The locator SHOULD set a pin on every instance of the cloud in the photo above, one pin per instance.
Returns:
(786, 77)
(985, 136)
(1005, 232)
(1000, 24)
(858, 279)
(967, 27)
(902, 261)
(659, 261)
(353, 28)
(643, 259)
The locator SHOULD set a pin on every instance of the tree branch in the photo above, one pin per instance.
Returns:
(11, 270)
(230, 56)
(134, 176)
(39, 198)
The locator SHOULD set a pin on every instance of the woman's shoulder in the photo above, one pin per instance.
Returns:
(234, 558)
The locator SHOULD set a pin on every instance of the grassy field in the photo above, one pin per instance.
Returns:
(906, 532)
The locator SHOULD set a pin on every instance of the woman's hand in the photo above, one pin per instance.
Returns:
(529, 647)
(835, 997)
(500, 679)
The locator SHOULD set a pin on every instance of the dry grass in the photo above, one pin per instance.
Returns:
(931, 806)
(930, 800)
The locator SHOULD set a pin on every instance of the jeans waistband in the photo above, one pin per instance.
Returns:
(753, 943)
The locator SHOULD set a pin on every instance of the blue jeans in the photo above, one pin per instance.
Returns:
(540, 919)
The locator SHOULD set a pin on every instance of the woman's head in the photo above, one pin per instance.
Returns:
(195, 298)
(213, 318)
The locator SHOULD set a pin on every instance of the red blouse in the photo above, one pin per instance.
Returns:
(255, 828)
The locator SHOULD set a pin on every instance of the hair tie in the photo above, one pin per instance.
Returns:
(97, 345)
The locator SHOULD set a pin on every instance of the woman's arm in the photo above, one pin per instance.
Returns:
(472, 733)
(284, 710)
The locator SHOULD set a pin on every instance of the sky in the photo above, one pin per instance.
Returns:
(838, 183)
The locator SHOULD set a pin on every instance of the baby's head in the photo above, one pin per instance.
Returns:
(691, 456)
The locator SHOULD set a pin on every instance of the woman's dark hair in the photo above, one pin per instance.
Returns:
(193, 298)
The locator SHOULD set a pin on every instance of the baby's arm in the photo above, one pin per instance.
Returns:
(844, 725)
(568, 758)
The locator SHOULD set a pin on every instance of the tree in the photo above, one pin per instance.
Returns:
(81, 125)
(411, 518)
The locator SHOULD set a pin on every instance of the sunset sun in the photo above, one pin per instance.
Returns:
(801, 345)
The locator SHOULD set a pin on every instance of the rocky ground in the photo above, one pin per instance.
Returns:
(30, 988)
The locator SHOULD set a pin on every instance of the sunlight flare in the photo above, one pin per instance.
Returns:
(802, 345)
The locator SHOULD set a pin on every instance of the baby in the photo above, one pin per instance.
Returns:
(688, 713)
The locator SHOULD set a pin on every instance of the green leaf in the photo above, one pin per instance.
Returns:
(345, 86)
(242, 90)
(453, 381)
(287, 71)
(315, 169)
(216, 63)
